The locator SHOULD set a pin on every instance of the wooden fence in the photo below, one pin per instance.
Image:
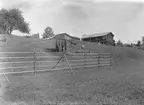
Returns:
(33, 62)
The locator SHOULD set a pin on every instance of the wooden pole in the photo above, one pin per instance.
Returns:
(64, 61)
(110, 60)
(5, 76)
(98, 60)
(68, 63)
(34, 61)
(115, 60)
(57, 63)
(65, 44)
(84, 60)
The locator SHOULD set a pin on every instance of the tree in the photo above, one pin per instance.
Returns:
(48, 32)
(13, 19)
(138, 43)
(119, 43)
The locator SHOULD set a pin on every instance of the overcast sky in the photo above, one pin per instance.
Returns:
(78, 17)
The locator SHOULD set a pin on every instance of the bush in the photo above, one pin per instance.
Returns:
(27, 36)
(119, 43)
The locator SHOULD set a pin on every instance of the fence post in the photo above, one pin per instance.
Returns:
(98, 60)
(64, 62)
(34, 61)
(84, 60)
(110, 60)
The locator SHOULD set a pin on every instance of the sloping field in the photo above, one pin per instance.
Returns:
(122, 55)
(21, 44)
(121, 85)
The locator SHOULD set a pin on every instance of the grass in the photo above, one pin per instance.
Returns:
(120, 85)
(96, 87)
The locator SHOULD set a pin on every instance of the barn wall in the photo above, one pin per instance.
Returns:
(110, 39)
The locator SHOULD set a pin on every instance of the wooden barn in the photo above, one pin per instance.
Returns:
(61, 41)
(103, 38)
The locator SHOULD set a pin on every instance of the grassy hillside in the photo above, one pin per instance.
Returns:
(122, 55)
(21, 44)
(116, 86)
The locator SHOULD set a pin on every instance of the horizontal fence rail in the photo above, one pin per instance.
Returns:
(12, 63)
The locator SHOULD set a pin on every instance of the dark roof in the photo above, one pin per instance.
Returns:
(57, 36)
(97, 35)
(69, 35)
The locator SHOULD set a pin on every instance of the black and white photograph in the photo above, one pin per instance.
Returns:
(71, 52)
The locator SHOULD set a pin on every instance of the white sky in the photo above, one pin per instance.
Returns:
(77, 17)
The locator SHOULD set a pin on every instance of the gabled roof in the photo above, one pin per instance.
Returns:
(69, 35)
(97, 35)
(58, 36)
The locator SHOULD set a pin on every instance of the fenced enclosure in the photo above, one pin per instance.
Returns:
(34, 62)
